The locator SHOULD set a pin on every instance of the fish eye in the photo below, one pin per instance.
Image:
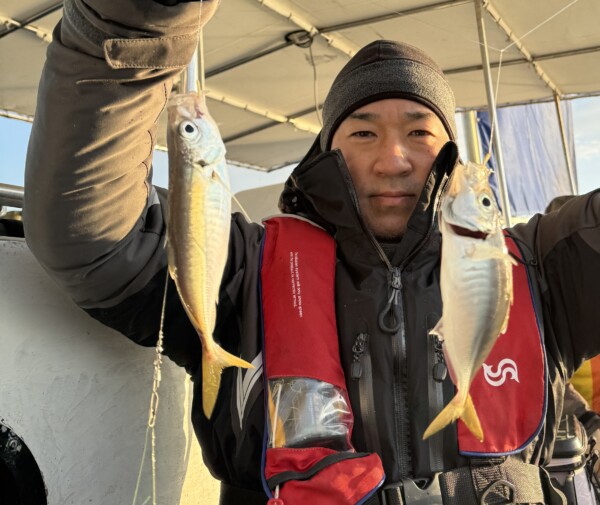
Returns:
(188, 129)
(485, 200)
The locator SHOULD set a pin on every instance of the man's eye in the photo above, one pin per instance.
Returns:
(420, 133)
(362, 134)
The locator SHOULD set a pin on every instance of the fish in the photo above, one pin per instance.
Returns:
(198, 226)
(476, 287)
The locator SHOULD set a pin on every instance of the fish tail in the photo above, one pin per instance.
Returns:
(448, 415)
(457, 409)
(213, 364)
(471, 419)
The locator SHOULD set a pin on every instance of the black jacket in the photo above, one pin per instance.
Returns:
(109, 255)
(400, 387)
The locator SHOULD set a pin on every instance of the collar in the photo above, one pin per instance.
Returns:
(321, 188)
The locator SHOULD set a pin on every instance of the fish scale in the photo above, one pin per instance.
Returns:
(198, 228)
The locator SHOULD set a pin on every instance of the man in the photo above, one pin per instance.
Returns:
(373, 180)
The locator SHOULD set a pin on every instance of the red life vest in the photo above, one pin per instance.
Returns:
(301, 350)
(308, 457)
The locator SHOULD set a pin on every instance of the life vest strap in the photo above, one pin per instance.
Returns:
(481, 483)
(511, 481)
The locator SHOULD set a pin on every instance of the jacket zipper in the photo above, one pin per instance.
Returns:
(403, 446)
(437, 375)
(395, 308)
(361, 370)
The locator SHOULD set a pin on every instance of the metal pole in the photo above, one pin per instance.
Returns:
(24, 24)
(495, 140)
(11, 196)
(561, 124)
(471, 137)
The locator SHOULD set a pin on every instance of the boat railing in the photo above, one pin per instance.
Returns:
(11, 196)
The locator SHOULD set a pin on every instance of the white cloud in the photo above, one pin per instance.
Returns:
(588, 149)
(586, 112)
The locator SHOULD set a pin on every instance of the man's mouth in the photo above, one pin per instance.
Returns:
(393, 197)
(465, 232)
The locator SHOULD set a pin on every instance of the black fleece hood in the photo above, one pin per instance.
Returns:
(387, 69)
(380, 70)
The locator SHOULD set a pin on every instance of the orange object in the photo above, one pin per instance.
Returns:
(587, 382)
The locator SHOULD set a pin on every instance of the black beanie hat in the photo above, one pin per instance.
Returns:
(387, 69)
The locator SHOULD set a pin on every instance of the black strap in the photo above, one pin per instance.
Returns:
(409, 491)
(232, 495)
(511, 481)
(486, 482)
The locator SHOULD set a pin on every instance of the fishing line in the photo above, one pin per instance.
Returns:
(487, 46)
(200, 55)
(560, 11)
(433, 25)
(243, 211)
(502, 51)
(315, 85)
(139, 478)
(154, 398)
(220, 180)
(202, 87)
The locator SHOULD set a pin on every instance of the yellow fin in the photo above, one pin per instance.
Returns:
(212, 367)
(453, 411)
(277, 432)
(438, 329)
(471, 419)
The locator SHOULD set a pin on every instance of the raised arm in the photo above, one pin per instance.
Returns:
(92, 217)
(566, 246)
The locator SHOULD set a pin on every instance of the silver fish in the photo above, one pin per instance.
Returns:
(198, 228)
(476, 287)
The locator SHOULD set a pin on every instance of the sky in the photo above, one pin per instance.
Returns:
(14, 136)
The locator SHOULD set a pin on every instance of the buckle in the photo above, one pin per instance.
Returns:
(413, 492)
(494, 497)
(391, 494)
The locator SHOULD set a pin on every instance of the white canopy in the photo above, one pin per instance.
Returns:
(263, 88)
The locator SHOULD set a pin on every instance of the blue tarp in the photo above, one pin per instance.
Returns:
(532, 150)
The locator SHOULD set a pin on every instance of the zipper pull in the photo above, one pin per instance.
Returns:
(396, 279)
(395, 285)
(358, 349)
(440, 370)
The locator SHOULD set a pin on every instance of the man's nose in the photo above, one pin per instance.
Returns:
(393, 158)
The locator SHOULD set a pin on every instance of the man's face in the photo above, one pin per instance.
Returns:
(389, 147)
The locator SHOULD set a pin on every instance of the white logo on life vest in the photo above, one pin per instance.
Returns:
(505, 367)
